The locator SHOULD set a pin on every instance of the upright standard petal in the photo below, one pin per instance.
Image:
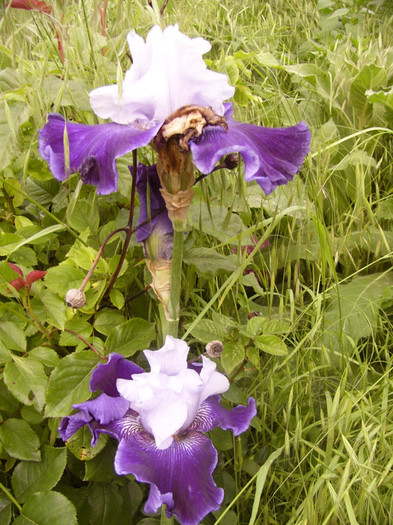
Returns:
(92, 150)
(272, 156)
(180, 476)
(167, 72)
(151, 202)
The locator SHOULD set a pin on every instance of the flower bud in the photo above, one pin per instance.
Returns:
(231, 161)
(75, 298)
(214, 349)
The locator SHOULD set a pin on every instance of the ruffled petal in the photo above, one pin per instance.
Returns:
(171, 359)
(167, 72)
(211, 414)
(180, 476)
(151, 201)
(93, 150)
(105, 375)
(96, 413)
(272, 156)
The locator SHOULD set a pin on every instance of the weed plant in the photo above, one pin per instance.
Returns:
(305, 315)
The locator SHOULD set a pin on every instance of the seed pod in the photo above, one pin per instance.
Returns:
(75, 298)
(214, 349)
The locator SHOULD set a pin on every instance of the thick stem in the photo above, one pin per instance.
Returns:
(174, 301)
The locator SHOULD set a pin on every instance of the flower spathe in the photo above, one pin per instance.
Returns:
(168, 73)
(159, 418)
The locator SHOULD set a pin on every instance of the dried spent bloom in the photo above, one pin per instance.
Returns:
(214, 349)
(160, 419)
(168, 78)
(75, 298)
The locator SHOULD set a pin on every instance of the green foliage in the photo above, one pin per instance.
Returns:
(297, 285)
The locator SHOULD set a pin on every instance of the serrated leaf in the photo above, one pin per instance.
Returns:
(232, 356)
(207, 331)
(117, 298)
(84, 215)
(26, 380)
(55, 309)
(69, 383)
(64, 277)
(47, 508)
(12, 116)
(216, 221)
(19, 440)
(12, 336)
(29, 477)
(5, 510)
(106, 320)
(271, 344)
(101, 467)
(131, 336)
(46, 356)
(77, 325)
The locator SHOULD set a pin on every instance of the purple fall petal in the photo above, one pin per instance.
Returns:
(211, 414)
(92, 149)
(180, 476)
(96, 413)
(105, 375)
(151, 201)
(272, 156)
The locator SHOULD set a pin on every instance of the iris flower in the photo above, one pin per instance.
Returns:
(160, 419)
(167, 74)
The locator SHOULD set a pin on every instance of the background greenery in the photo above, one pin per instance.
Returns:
(305, 312)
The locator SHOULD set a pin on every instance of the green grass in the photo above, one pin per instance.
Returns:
(323, 285)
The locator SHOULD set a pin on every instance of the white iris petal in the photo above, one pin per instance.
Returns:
(167, 72)
(168, 397)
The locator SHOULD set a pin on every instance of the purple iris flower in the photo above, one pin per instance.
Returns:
(168, 73)
(160, 419)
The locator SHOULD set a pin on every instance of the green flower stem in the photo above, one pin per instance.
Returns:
(174, 299)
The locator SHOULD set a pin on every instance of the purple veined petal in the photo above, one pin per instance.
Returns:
(93, 150)
(211, 414)
(151, 201)
(105, 375)
(167, 72)
(96, 413)
(272, 156)
(180, 476)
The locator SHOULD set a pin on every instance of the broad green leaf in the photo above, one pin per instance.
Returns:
(371, 77)
(69, 383)
(19, 440)
(29, 477)
(100, 468)
(216, 221)
(42, 191)
(12, 116)
(209, 261)
(131, 336)
(107, 319)
(232, 356)
(5, 510)
(64, 277)
(84, 215)
(117, 298)
(55, 309)
(26, 380)
(7, 274)
(25, 256)
(12, 336)
(47, 356)
(106, 503)
(222, 439)
(77, 325)
(354, 307)
(207, 331)
(8, 241)
(271, 344)
(47, 508)
(8, 403)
